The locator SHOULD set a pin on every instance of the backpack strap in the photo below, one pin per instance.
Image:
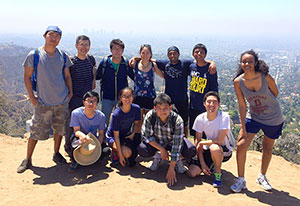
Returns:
(36, 59)
(65, 60)
(129, 70)
(91, 59)
(105, 59)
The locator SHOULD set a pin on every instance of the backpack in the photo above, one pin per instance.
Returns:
(36, 58)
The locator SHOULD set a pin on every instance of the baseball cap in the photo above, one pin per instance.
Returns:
(173, 48)
(54, 28)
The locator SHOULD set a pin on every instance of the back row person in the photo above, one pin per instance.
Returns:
(176, 72)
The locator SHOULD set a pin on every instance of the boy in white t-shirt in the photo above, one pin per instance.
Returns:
(215, 149)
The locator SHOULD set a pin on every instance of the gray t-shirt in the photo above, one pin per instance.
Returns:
(51, 87)
(264, 107)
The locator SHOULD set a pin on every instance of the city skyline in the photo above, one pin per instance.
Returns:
(191, 18)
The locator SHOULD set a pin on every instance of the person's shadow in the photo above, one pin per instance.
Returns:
(141, 171)
(274, 197)
(82, 174)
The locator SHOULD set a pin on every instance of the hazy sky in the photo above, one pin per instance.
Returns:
(224, 17)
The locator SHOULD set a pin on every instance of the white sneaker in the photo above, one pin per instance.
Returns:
(264, 183)
(155, 164)
(179, 167)
(239, 185)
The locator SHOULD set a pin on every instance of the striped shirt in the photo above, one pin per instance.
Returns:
(165, 134)
(82, 75)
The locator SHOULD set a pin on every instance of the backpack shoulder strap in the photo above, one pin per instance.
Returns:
(153, 118)
(36, 59)
(91, 58)
(174, 116)
(129, 70)
(105, 59)
(62, 53)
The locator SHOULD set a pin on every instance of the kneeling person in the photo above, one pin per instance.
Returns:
(123, 134)
(163, 130)
(216, 148)
(87, 119)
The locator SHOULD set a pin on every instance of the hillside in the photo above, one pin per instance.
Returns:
(15, 108)
(101, 184)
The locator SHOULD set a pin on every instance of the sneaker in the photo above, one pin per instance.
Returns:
(155, 164)
(264, 183)
(26, 163)
(179, 167)
(114, 158)
(73, 166)
(238, 186)
(59, 159)
(218, 182)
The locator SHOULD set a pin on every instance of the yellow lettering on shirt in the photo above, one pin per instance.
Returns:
(198, 84)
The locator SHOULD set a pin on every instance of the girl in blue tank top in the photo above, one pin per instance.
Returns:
(254, 84)
(144, 80)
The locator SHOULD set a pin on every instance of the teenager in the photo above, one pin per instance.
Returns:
(254, 84)
(123, 134)
(53, 90)
(215, 149)
(87, 119)
(162, 131)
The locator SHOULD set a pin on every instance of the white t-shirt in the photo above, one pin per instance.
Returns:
(211, 128)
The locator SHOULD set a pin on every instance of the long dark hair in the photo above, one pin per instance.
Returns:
(148, 46)
(260, 65)
(121, 92)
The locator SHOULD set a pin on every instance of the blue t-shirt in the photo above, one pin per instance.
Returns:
(201, 83)
(175, 78)
(122, 121)
(79, 119)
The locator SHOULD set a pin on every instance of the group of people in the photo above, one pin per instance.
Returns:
(137, 121)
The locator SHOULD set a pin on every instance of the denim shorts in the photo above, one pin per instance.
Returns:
(272, 132)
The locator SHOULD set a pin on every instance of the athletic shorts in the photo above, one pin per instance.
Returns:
(144, 102)
(193, 115)
(47, 117)
(272, 132)
(207, 158)
(183, 110)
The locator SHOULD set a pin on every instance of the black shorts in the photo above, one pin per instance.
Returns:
(207, 158)
(193, 114)
(183, 110)
(144, 102)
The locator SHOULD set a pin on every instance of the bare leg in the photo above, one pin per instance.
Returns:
(216, 152)
(57, 141)
(267, 154)
(194, 170)
(30, 147)
(241, 152)
(126, 151)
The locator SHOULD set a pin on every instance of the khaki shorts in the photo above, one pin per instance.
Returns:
(47, 117)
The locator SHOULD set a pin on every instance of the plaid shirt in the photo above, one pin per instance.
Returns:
(163, 133)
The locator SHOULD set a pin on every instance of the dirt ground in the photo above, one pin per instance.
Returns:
(105, 184)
